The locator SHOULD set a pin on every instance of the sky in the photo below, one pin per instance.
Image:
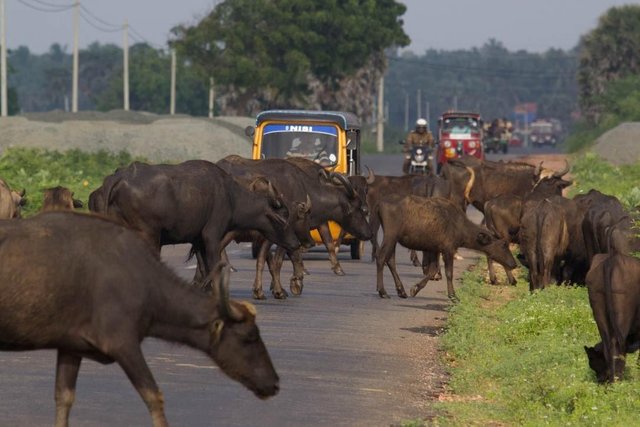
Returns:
(533, 25)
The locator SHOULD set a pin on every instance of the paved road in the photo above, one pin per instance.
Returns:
(345, 356)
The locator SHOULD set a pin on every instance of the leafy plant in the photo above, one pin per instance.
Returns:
(35, 170)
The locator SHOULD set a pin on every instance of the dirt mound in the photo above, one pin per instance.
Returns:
(620, 145)
(155, 137)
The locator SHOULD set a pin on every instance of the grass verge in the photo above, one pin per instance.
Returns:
(518, 359)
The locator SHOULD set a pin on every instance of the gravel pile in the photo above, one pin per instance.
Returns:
(620, 145)
(155, 137)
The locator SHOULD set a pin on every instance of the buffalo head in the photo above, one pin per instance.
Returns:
(235, 342)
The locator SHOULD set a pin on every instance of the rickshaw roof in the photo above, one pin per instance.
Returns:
(343, 119)
(451, 114)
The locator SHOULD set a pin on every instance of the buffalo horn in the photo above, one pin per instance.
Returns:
(324, 174)
(308, 203)
(560, 174)
(341, 179)
(370, 176)
(221, 282)
(274, 196)
(538, 170)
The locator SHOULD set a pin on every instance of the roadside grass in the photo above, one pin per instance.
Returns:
(36, 169)
(518, 359)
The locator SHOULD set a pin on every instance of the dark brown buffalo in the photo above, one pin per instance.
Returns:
(436, 225)
(11, 201)
(429, 185)
(613, 283)
(544, 239)
(502, 214)
(102, 295)
(602, 213)
(59, 198)
(623, 237)
(333, 198)
(494, 179)
(194, 202)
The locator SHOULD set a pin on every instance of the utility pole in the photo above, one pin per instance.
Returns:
(406, 112)
(125, 50)
(172, 107)
(212, 95)
(3, 61)
(419, 103)
(380, 118)
(76, 30)
(428, 111)
(455, 102)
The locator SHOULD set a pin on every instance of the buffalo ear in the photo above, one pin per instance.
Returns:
(484, 238)
(77, 203)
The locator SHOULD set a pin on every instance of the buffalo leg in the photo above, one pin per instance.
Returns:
(275, 269)
(374, 222)
(382, 256)
(258, 293)
(133, 364)
(297, 280)
(430, 265)
(448, 272)
(325, 234)
(67, 367)
(391, 263)
(413, 256)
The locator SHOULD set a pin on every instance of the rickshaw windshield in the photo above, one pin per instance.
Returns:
(460, 125)
(318, 143)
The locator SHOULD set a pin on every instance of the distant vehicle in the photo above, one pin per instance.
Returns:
(543, 133)
(329, 138)
(459, 133)
(497, 136)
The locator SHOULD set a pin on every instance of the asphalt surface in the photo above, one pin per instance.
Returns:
(345, 357)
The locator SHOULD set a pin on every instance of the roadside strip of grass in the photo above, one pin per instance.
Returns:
(517, 358)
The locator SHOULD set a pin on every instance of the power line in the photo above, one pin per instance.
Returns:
(54, 5)
(97, 26)
(40, 9)
(93, 15)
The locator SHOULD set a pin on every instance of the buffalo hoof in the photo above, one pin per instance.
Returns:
(233, 269)
(338, 270)
(414, 291)
(493, 281)
(454, 298)
(282, 294)
(513, 282)
(306, 272)
(437, 276)
(296, 286)
(402, 293)
(259, 294)
(383, 294)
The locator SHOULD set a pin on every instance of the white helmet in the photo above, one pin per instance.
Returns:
(421, 122)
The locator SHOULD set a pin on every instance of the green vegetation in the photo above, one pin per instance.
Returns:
(36, 170)
(518, 359)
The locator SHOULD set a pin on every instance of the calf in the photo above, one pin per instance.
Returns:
(59, 198)
(432, 224)
(11, 201)
(613, 282)
(105, 293)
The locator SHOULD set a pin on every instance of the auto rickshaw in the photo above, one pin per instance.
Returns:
(329, 138)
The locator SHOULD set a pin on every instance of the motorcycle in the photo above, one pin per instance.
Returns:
(421, 159)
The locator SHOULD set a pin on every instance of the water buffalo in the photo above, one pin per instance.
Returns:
(59, 198)
(102, 295)
(502, 214)
(194, 202)
(332, 197)
(432, 224)
(11, 201)
(613, 282)
(602, 212)
(494, 179)
(544, 239)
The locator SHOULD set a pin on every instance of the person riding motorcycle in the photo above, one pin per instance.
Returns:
(421, 136)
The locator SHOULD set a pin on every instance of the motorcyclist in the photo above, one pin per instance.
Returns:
(420, 136)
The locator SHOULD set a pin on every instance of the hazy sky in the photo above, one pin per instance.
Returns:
(534, 25)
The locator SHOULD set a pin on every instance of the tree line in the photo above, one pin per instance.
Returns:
(329, 55)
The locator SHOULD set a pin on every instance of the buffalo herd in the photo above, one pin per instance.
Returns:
(115, 290)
